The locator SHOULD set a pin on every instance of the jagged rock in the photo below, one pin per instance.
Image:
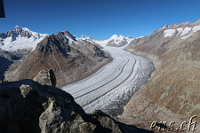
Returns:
(18, 31)
(29, 107)
(46, 77)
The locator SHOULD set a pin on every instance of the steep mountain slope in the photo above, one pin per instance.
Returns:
(71, 59)
(172, 93)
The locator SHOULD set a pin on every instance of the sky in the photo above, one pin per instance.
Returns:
(98, 19)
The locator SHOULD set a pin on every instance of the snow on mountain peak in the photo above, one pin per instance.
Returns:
(20, 38)
(17, 28)
(114, 36)
(116, 40)
(117, 37)
(165, 27)
(83, 37)
(119, 40)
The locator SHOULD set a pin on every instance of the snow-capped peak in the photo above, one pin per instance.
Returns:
(114, 36)
(119, 40)
(84, 38)
(116, 40)
(120, 37)
(18, 30)
(20, 38)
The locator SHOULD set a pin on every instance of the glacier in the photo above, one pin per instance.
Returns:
(110, 88)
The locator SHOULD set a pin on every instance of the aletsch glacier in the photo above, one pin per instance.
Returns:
(110, 88)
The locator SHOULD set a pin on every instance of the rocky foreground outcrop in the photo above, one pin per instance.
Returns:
(26, 106)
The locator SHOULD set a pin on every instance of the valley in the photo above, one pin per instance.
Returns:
(137, 81)
(110, 88)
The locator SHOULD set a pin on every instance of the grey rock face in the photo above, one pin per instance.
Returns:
(46, 77)
(29, 107)
(18, 31)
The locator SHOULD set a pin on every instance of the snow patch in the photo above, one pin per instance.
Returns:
(186, 37)
(185, 31)
(179, 30)
(196, 28)
(169, 32)
(20, 43)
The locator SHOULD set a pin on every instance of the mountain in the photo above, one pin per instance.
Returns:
(172, 93)
(116, 41)
(119, 40)
(68, 55)
(16, 44)
(70, 58)
(20, 39)
(87, 39)
(160, 42)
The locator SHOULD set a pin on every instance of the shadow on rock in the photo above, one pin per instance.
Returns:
(28, 106)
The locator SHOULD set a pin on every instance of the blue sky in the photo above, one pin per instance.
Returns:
(98, 19)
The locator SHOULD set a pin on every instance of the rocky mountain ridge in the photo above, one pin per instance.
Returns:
(162, 38)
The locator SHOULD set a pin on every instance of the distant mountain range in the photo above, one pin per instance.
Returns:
(23, 38)
(25, 53)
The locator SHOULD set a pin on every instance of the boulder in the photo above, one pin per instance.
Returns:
(46, 77)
